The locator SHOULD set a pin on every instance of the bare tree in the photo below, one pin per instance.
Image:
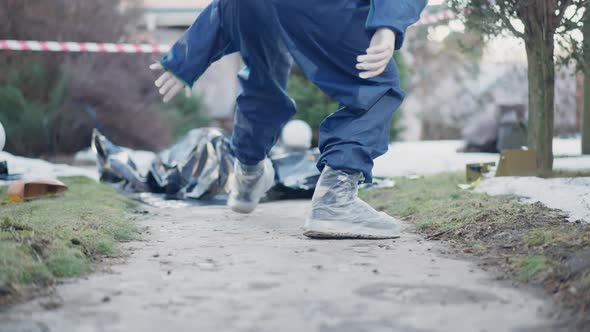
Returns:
(586, 68)
(543, 21)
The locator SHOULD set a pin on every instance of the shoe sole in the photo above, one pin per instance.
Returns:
(329, 229)
(241, 207)
(249, 207)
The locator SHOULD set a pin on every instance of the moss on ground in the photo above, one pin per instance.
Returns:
(59, 237)
(530, 266)
(532, 243)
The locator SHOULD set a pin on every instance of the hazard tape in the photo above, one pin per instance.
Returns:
(55, 46)
(444, 15)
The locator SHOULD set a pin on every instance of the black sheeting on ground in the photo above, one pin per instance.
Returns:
(200, 166)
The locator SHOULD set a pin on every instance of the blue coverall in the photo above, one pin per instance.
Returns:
(324, 38)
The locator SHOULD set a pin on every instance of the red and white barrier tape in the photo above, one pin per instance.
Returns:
(444, 15)
(54, 46)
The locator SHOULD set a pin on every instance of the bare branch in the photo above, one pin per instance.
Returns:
(506, 20)
(575, 20)
(562, 7)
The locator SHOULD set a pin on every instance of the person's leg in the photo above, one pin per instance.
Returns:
(352, 138)
(355, 134)
(349, 141)
(326, 40)
(263, 106)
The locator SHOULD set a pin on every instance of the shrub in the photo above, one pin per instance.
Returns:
(185, 114)
(26, 109)
(112, 91)
(313, 106)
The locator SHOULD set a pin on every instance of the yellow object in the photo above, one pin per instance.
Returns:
(470, 186)
(517, 163)
(15, 199)
(477, 170)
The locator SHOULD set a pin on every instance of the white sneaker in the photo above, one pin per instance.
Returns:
(337, 212)
(251, 183)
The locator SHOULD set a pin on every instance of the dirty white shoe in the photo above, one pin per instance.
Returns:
(251, 183)
(337, 212)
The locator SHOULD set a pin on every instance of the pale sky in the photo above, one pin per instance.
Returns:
(500, 49)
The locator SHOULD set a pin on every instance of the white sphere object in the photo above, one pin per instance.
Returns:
(2, 137)
(297, 134)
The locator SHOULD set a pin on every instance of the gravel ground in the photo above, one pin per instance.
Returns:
(205, 269)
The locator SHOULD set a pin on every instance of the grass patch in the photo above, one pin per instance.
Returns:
(529, 267)
(435, 204)
(541, 237)
(60, 237)
(530, 242)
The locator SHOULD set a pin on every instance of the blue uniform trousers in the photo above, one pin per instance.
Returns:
(323, 38)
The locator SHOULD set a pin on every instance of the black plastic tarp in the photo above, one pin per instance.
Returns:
(200, 166)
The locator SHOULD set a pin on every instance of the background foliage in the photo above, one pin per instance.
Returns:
(50, 102)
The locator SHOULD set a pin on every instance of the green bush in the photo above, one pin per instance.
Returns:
(313, 106)
(185, 114)
(114, 92)
(27, 116)
(396, 127)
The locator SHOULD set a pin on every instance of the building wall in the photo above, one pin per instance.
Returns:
(166, 13)
(176, 3)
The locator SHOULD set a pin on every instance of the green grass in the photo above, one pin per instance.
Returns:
(436, 203)
(530, 242)
(60, 237)
(438, 207)
(529, 267)
(541, 237)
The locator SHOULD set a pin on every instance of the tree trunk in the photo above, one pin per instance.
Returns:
(586, 108)
(541, 77)
(541, 20)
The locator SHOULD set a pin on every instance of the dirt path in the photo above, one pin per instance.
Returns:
(207, 269)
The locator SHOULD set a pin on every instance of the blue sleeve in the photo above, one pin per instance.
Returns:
(397, 15)
(201, 45)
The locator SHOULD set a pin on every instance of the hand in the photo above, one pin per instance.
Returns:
(378, 54)
(169, 84)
